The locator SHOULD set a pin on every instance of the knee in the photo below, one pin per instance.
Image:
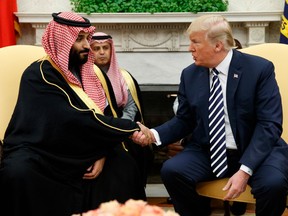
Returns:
(14, 171)
(273, 185)
(277, 186)
(169, 171)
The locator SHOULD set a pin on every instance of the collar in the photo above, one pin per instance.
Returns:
(223, 67)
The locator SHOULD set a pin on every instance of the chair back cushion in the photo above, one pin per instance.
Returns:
(14, 60)
(277, 53)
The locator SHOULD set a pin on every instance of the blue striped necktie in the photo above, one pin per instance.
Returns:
(217, 127)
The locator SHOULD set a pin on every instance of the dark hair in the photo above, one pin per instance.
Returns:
(238, 45)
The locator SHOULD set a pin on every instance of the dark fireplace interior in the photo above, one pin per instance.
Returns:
(157, 108)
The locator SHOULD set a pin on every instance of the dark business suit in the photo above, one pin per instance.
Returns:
(255, 114)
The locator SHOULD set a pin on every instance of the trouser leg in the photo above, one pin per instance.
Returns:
(269, 187)
(180, 175)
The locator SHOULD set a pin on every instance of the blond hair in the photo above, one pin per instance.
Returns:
(216, 27)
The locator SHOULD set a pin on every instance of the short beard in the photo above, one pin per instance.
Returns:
(75, 59)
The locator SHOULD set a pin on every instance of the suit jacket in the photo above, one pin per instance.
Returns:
(254, 110)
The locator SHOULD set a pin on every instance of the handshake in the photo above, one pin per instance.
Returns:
(143, 137)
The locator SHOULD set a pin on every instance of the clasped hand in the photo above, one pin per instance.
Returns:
(143, 137)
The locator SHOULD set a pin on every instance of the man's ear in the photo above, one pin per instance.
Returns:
(218, 46)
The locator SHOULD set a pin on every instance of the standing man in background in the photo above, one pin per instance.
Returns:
(124, 173)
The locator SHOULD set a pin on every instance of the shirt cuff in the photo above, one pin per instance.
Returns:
(246, 170)
(156, 136)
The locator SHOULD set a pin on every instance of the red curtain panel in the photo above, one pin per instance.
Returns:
(9, 26)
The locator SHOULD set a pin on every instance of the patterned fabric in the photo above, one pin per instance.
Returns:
(114, 73)
(217, 127)
(58, 40)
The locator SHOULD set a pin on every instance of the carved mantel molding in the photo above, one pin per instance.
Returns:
(28, 17)
(134, 32)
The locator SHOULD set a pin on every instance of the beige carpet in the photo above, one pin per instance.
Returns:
(218, 212)
(217, 206)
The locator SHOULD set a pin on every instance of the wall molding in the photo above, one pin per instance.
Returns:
(236, 16)
(154, 47)
(162, 31)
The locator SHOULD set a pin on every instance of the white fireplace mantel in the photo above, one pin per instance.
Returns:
(253, 22)
(155, 45)
(236, 16)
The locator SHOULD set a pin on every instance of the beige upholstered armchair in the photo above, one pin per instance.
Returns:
(14, 60)
(277, 53)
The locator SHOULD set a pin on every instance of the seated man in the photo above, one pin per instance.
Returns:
(58, 129)
(230, 103)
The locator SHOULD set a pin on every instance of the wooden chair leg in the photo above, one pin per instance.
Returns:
(226, 208)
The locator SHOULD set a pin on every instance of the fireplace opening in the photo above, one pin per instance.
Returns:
(157, 108)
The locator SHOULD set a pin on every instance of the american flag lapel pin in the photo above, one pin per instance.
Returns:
(235, 76)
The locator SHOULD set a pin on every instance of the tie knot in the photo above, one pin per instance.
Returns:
(215, 71)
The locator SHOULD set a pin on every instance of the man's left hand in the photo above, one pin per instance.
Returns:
(95, 170)
(236, 185)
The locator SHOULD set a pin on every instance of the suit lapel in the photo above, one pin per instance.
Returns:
(203, 95)
(203, 84)
(234, 76)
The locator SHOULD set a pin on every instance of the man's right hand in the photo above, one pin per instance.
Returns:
(143, 137)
